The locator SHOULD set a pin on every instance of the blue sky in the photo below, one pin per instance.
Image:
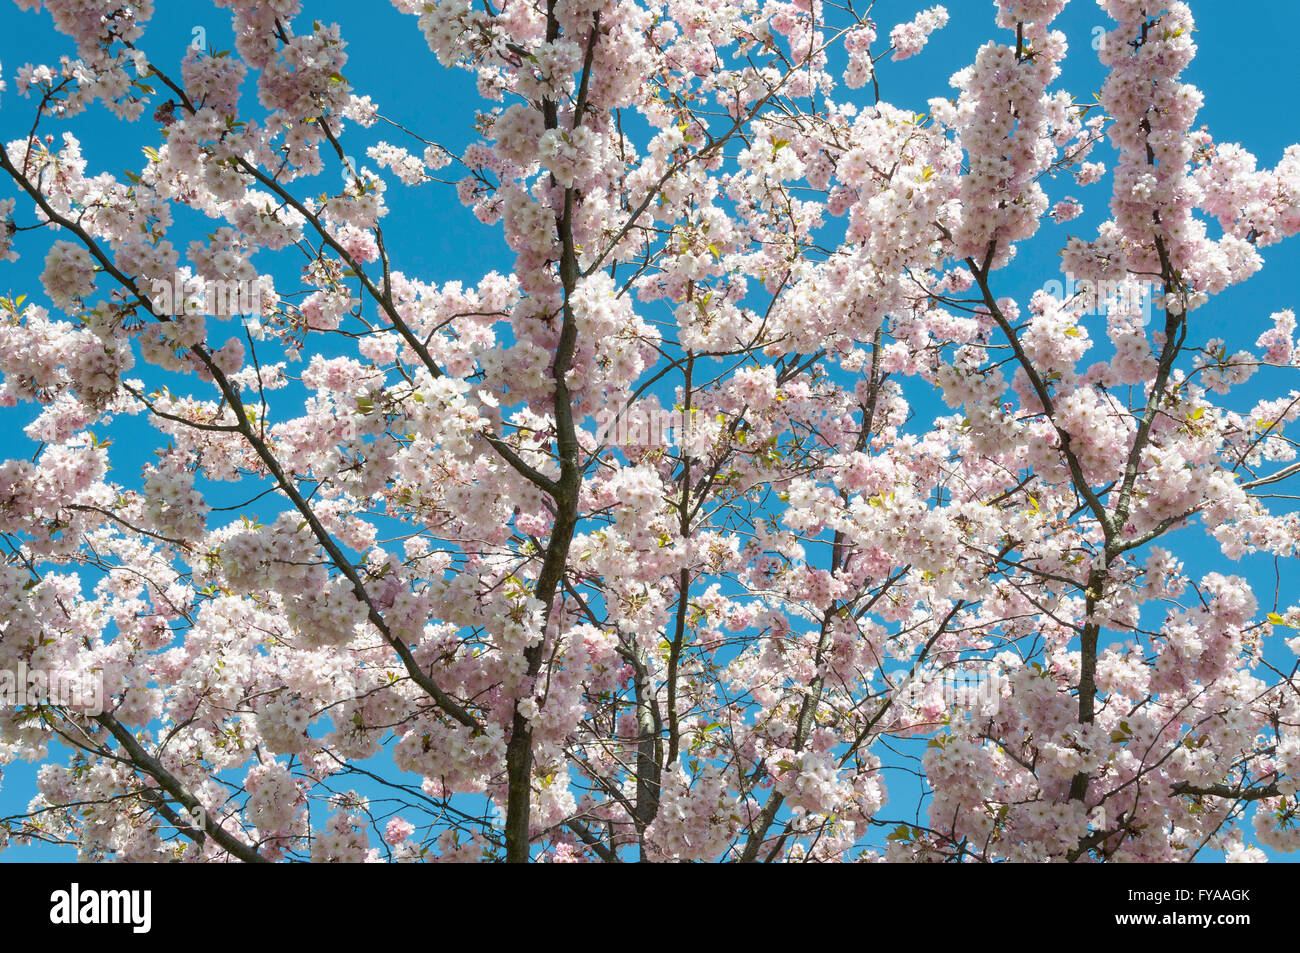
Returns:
(1248, 74)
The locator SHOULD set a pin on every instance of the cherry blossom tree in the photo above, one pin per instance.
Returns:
(415, 572)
